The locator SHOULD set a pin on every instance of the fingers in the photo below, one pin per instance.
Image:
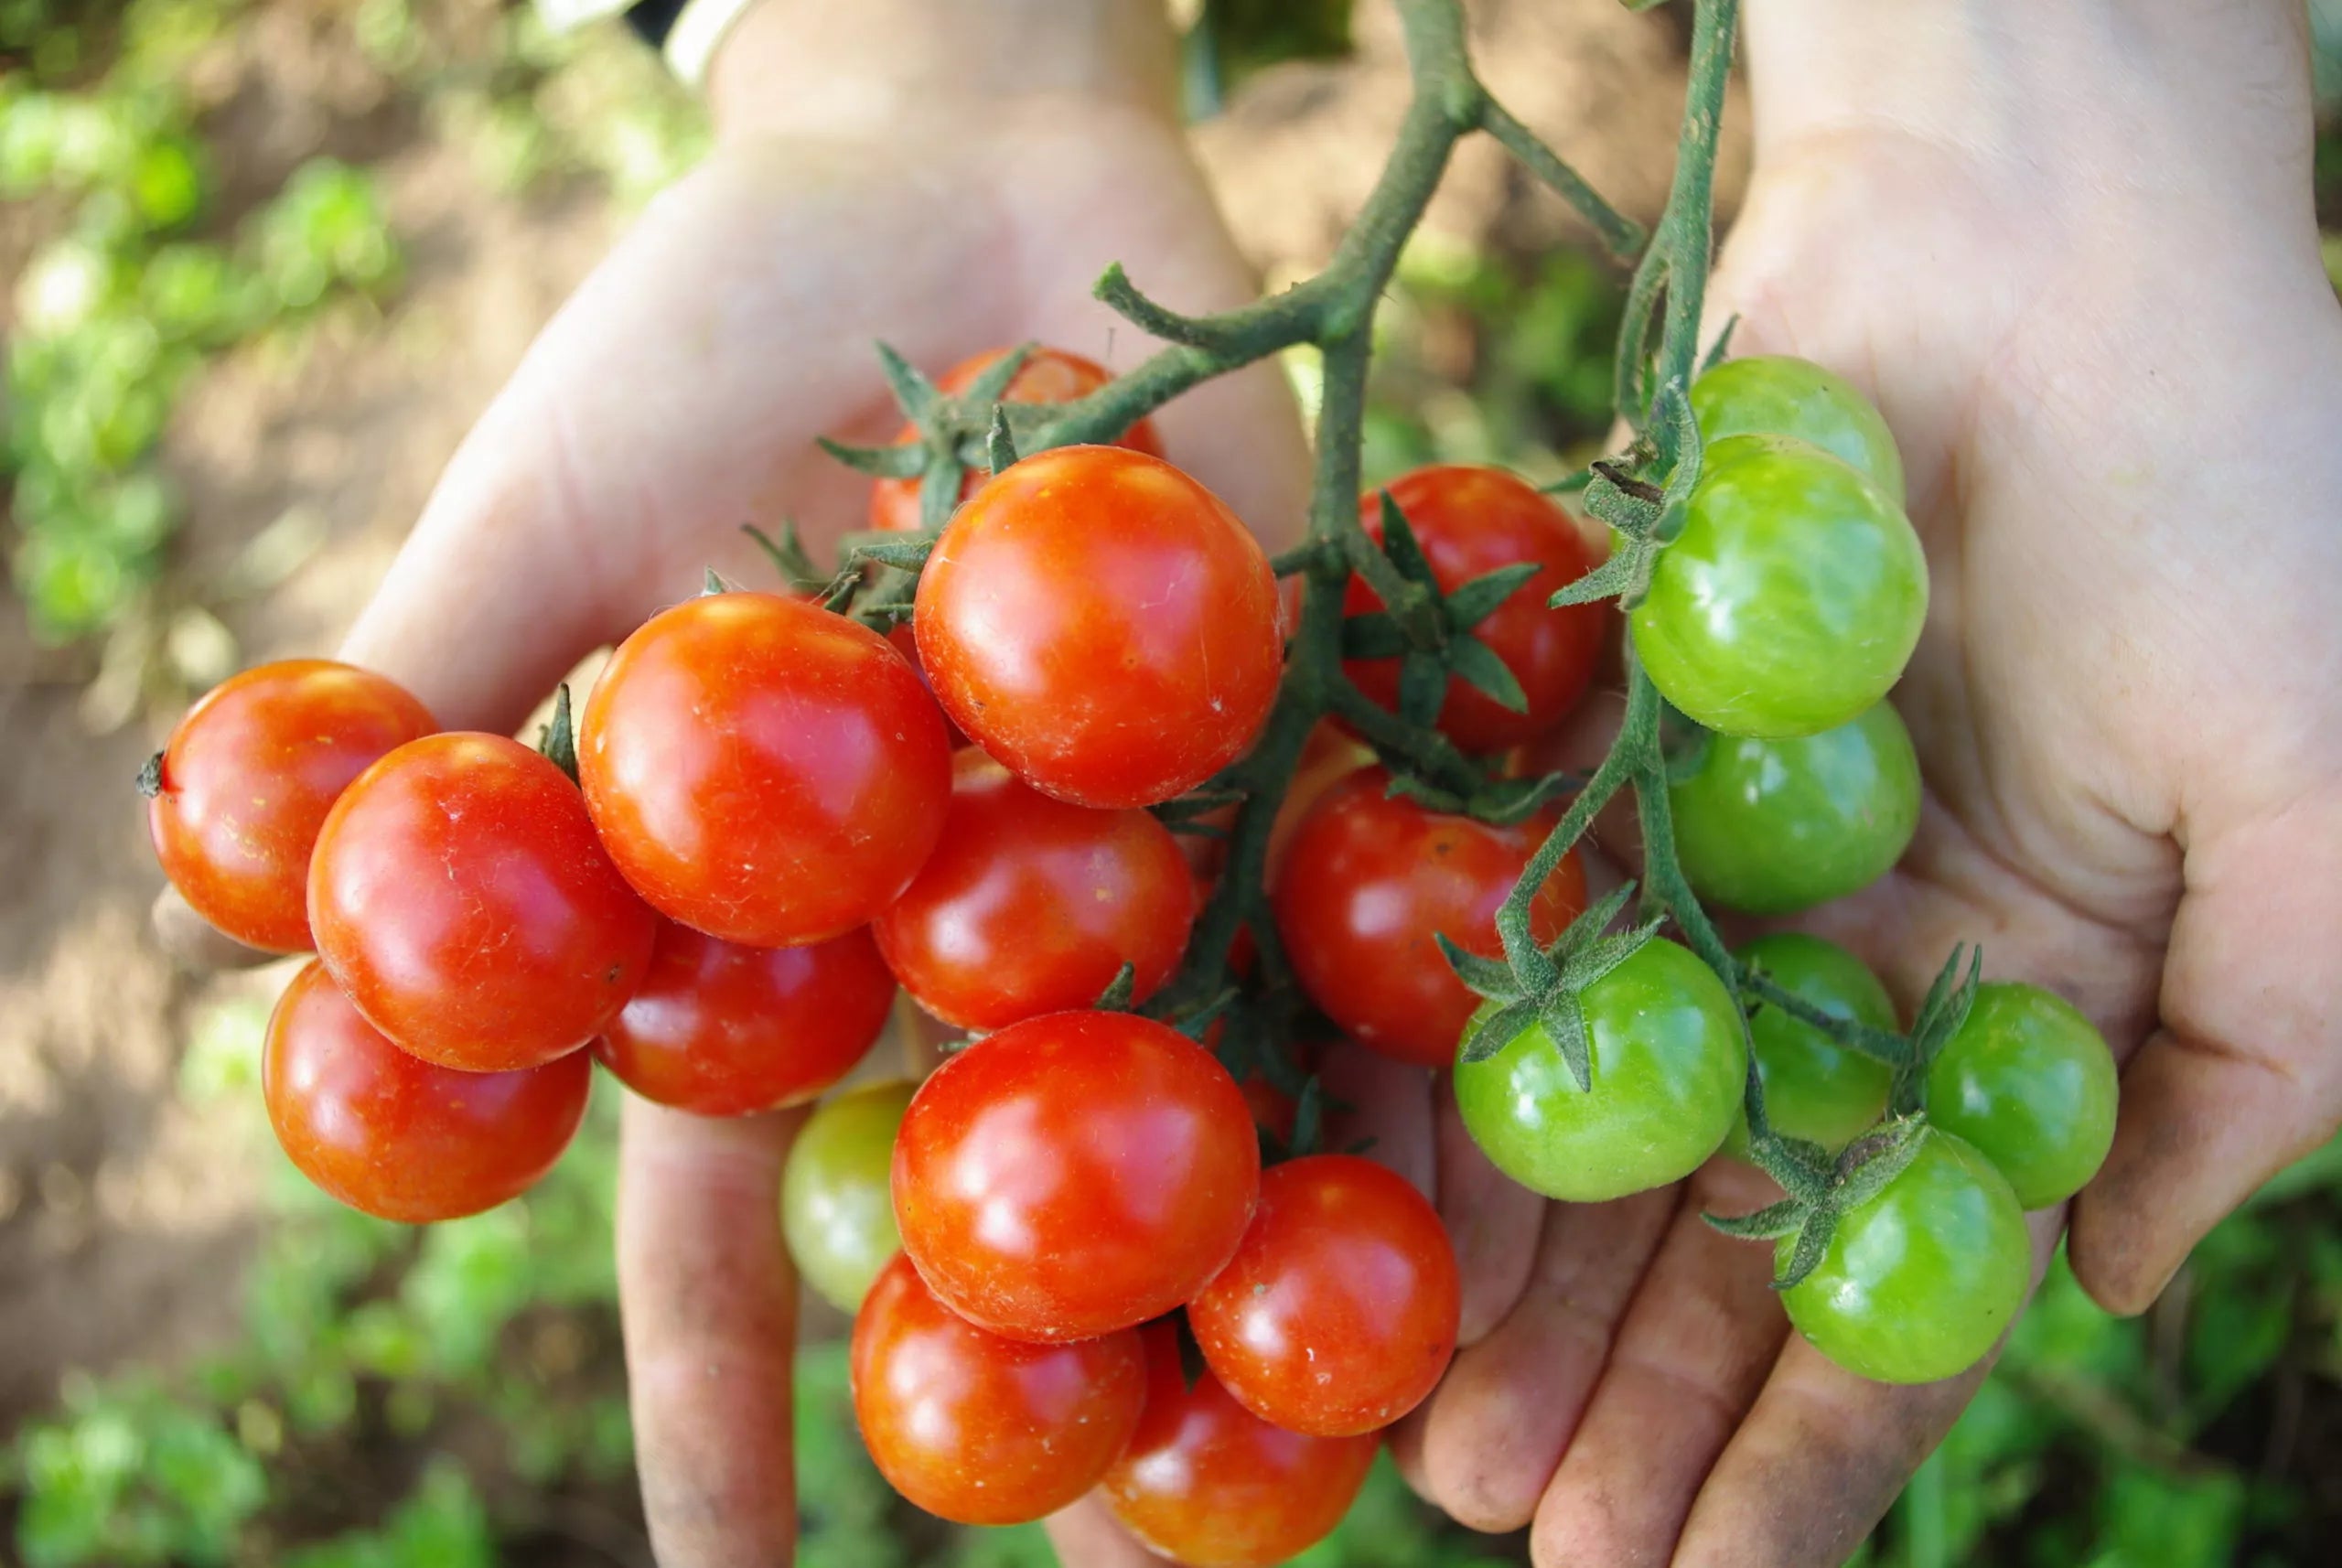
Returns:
(1086, 1536)
(1492, 1220)
(194, 941)
(709, 1304)
(1386, 1105)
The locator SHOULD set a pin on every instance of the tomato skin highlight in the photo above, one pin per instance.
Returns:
(1338, 1313)
(1073, 1175)
(1471, 522)
(1815, 1089)
(1031, 905)
(837, 1203)
(1208, 1483)
(719, 1029)
(1918, 1284)
(981, 1430)
(763, 770)
(247, 777)
(2028, 1081)
(397, 1137)
(1104, 624)
(1792, 599)
(1779, 394)
(1369, 880)
(1669, 1073)
(460, 898)
(1048, 375)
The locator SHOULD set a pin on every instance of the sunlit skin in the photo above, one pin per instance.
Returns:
(1337, 1313)
(837, 1203)
(1471, 522)
(1815, 1089)
(459, 896)
(2028, 1081)
(246, 780)
(762, 769)
(1074, 1175)
(390, 1134)
(1368, 883)
(979, 1429)
(1048, 375)
(1103, 624)
(1780, 394)
(1031, 905)
(719, 1029)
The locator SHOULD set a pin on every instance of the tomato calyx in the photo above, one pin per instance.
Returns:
(954, 432)
(1822, 1190)
(1550, 987)
(557, 737)
(1428, 631)
(1644, 516)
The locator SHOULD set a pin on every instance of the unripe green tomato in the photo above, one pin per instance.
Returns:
(1779, 395)
(837, 1205)
(1669, 1069)
(1918, 1282)
(1815, 1088)
(2029, 1080)
(1776, 826)
(1791, 599)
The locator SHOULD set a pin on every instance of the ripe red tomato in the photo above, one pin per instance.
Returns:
(983, 1430)
(1030, 905)
(1048, 375)
(1367, 882)
(1470, 522)
(764, 770)
(1338, 1313)
(722, 1030)
(460, 898)
(1073, 1175)
(395, 1135)
(247, 777)
(1104, 624)
(900, 638)
(1209, 1483)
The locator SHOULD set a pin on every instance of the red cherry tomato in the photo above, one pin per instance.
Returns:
(1104, 624)
(900, 638)
(1030, 905)
(247, 777)
(460, 898)
(1048, 375)
(1209, 1483)
(1471, 522)
(722, 1030)
(392, 1135)
(983, 1430)
(1074, 1175)
(1337, 1313)
(764, 770)
(1369, 880)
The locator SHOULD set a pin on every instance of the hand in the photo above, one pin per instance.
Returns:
(2070, 250)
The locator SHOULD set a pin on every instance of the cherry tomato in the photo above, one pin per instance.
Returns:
(247, 777)
(1074, 1175)
(836, 1208)
(1048, 375)
(1778, 394)
(1338, 1315)
(900, 638)
(1104, 624)
(722, 1030)
(1792, 599)
(1209, 1483)
(764, 770)
(1918, 1282)
(393, 1135)
(1471, 522)
(1031, 905)
(461, 898)
(1369, 879)
(979, 1429)
(1669, 1071)
(1815, 1089)
(1776, 826)
(2028, 1080)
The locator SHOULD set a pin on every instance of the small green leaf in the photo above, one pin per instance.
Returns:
(1475, 601)
(1398, 543)
(938, 490)
(1812, 1246)
(1478, 663)
(1593, 921)
(1510, 801)
(914, 393)
(788, 556)
(1723, 345)
(1308, 1117)
(1626, 574)
(1487, 1036)
(1874, 1160)
(906, 554)
(1406, 786)
(1586, 965)
(558, 740)
(1116, 997)
(1562, 1012)
(1196, 803)
(1198, 1024)
(1485, 977)
(1766, 1224)
(1423, 687)
(1000, 446)
(992, 385)
(903, 462)
(714, 583)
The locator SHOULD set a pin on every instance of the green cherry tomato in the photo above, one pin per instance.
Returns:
(1791, 599)
(1779, 394)
(836, 1207)
(1918, 1282)
(1815, 1088)
(1776, 826)
(1668, 1072)
(2030, 1083)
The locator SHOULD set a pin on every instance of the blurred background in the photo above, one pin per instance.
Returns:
(265, 260)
